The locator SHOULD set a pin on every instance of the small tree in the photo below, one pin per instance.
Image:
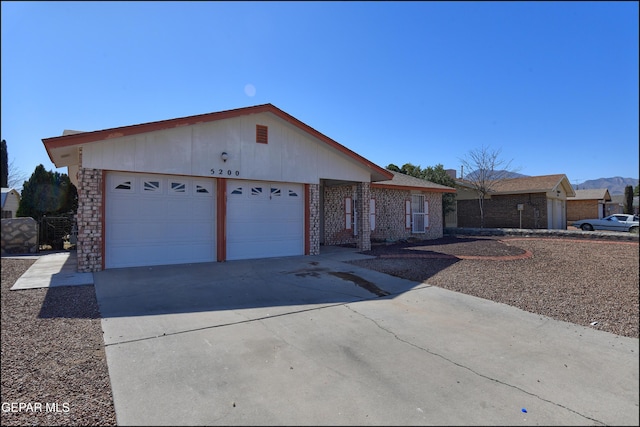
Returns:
(47, 193)
(439, 175)
(488, 170)
(628, 200)
(4, 165)
(10, 175)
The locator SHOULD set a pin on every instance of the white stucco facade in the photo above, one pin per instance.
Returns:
(289, 156)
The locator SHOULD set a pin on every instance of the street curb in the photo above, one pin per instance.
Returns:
(527, 232)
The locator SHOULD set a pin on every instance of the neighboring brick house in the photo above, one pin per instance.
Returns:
(253, 182)
(10, 202)
(590, 203)
(537, 202)
(616, 206)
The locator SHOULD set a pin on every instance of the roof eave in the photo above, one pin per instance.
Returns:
(55, 143)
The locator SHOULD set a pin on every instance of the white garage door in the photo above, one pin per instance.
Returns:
(264, 219)
(158, 219)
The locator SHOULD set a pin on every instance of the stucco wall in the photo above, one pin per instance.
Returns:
(11, 204)
(290, 155)
(19, 236)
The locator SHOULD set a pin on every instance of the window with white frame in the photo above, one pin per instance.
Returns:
(419, 213)
(348, 213)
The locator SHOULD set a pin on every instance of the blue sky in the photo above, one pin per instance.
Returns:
(554, 85)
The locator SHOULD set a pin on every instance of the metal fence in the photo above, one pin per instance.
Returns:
(54, 230)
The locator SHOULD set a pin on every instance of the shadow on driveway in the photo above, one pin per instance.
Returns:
(239, 285)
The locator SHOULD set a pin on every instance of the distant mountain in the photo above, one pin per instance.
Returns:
(615, 185)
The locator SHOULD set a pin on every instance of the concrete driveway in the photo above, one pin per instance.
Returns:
(316, 341)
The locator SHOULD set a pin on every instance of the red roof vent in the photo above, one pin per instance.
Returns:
(262, 134)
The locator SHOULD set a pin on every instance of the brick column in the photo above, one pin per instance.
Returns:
(314, 219)
(90, 219)
(363, 195)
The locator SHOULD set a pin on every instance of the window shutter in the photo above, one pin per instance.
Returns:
(347, 213)
(372, 214)
(407, 214)
(426, 214)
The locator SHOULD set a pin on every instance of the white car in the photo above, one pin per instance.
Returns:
(617, 222)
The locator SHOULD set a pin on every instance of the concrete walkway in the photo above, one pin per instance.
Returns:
(50, 270)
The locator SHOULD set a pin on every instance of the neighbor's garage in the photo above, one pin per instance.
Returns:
(158, 219)
(264, 219)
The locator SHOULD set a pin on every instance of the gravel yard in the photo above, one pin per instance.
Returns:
(577, 281)
(52, 347)
(52, 353)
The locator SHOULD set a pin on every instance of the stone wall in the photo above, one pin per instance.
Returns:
(314, 219)
(363, 196)
(389, 215)
(335, 230)
(19, 236)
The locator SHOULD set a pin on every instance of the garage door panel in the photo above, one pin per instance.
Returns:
(150, 208)
(159, 219)
(263, 220)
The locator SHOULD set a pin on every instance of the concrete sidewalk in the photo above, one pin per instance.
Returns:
(51, 270)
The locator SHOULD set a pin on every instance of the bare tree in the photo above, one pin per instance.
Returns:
(488, 170)
(16, 176)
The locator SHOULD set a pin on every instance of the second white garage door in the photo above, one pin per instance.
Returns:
(264, 219)
(159, 219)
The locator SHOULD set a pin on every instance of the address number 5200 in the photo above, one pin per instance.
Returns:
(223, 172)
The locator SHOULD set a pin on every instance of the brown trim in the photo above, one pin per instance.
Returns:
(307, 219)
(221, 219)
(101, 135)
(103, 219)
(407, 187)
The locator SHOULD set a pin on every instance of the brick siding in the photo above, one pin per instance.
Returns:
(314, 219)
(389, 215)
(89, 219)
(502, 211)
(582, 209)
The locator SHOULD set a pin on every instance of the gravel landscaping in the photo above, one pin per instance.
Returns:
(588, 282)
(53, 352)
(53, 355)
